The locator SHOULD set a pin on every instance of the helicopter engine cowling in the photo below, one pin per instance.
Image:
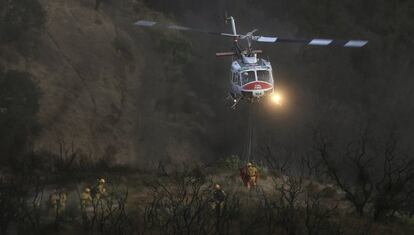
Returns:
(250, 59)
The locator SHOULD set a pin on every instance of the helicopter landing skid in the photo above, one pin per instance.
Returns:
(234, 101)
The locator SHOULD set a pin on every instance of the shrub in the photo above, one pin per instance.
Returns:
(232, 162)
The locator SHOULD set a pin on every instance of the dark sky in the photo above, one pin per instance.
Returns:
(338, 90)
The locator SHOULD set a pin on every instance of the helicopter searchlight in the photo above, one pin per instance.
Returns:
(251, 76)
(276, 98)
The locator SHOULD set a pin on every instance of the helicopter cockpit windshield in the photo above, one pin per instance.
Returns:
(264, 76)
(248, 76)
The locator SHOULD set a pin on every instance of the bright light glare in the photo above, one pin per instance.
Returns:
(277, 98)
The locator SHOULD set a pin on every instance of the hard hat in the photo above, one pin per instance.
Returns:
(249, 164)
(217, 186)
(101, 180)
(87, 190)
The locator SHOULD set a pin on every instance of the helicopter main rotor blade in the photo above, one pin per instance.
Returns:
(146, 23)
(315, 42)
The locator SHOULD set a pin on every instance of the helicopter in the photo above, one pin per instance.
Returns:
(252, 77)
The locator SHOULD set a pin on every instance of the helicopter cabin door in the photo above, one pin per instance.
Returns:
(235, 83)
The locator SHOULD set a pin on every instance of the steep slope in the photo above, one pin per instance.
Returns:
(85, 81)
(103, 87)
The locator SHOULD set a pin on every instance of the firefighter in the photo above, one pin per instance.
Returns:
(63, 197)
(218, 199)
(253, 174)
(53, 200)
(86, 198)
(249, 175)
(100, 189)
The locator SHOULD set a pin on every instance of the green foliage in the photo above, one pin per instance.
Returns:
(20, 19)
(19, 103)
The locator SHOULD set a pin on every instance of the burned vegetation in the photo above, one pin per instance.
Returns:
(115, 157)
(375, 195)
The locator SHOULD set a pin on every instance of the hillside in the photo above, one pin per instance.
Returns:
(120, 93)
(108, 128)
(106, 88)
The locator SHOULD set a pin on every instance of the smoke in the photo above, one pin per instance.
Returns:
(334, 88)
(162, 97)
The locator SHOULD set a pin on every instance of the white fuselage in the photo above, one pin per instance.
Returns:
(251, 78)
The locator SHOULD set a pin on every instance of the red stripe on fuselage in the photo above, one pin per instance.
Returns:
(257, 86)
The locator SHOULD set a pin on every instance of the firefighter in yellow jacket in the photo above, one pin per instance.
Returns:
(249, 175)
(63, 198)
(54, 200)
(86, 198)
(100, 189)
